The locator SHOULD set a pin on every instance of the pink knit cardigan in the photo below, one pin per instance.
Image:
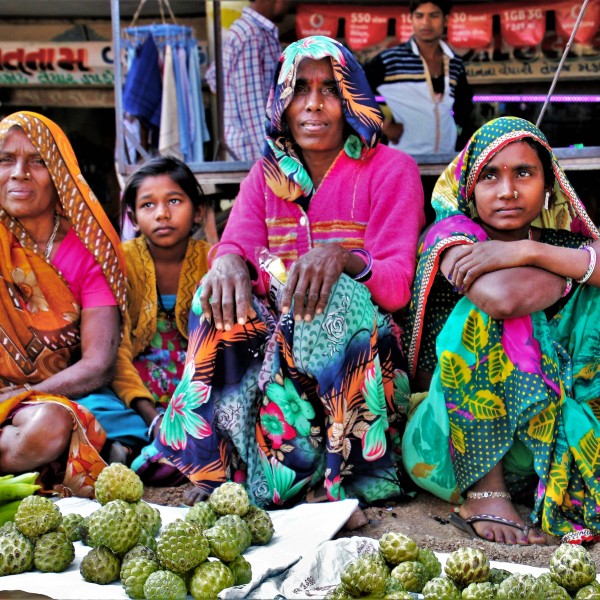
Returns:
(375, 203)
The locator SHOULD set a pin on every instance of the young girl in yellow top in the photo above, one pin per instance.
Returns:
(164, 266)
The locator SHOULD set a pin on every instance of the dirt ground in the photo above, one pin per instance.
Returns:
(425, 519)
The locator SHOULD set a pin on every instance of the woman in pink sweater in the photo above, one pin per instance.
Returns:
(294, 381)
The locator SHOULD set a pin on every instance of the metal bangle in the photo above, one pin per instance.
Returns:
(591, 266)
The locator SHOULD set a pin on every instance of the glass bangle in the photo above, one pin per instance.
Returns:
(591, 266)
(366, 272)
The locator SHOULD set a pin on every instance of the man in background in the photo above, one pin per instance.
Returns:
(250, 53)
(424, 85)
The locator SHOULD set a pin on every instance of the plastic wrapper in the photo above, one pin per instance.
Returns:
(274, 276)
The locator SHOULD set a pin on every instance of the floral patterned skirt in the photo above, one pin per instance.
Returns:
(160, 365)
(293, 408)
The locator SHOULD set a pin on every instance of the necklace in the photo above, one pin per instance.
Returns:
(50, 242)
(530, 234)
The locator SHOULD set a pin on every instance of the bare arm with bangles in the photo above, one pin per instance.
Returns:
(227, 287)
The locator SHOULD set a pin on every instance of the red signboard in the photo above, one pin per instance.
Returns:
(469, 27)
(403, 25)
(316, 20)
(366, 27)
(524, 26)
(566, 17)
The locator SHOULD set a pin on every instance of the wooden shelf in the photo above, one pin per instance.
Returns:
(221, 173)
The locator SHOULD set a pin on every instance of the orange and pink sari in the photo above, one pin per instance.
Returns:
(39, 315)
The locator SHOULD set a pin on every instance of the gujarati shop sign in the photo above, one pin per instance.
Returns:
(56, 64)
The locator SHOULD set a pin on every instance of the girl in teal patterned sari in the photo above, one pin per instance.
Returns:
(505, 319)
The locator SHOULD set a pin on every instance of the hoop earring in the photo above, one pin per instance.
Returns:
(546, 200)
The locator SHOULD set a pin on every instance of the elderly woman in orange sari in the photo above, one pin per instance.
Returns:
(62, 287)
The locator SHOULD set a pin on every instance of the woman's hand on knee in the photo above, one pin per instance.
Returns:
(311, 279)
(226, 295)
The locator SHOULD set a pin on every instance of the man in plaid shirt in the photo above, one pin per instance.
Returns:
(250, 53)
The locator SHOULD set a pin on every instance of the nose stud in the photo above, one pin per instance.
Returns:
(516, 194)
(28, 175)
(321, 106)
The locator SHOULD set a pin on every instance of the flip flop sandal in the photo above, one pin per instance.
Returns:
(466, 525)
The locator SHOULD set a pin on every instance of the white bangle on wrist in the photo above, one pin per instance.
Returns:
(154, 422)
(591, 266)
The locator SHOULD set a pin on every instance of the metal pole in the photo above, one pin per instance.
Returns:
(219, 77)
(562, 60)
(118, 85)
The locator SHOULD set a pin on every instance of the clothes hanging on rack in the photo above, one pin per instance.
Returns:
(183, 99)
(143, 87)
(198, 116)
(168, 142)
(168, 54)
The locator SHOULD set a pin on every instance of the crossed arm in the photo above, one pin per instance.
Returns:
(512, 279)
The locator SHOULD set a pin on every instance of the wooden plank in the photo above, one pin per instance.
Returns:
(233, 172)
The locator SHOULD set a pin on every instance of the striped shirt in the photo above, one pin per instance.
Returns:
(429, 113)
(250, 54)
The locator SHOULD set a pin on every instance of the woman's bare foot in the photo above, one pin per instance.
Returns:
(357, 520)
(194, 495)
(497, 506)
(499, 532)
